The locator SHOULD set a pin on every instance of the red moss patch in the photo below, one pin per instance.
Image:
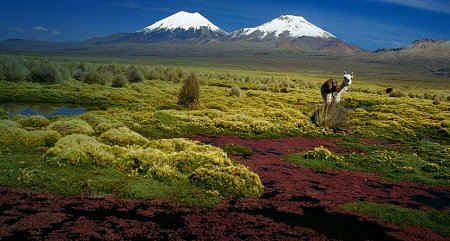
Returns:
(298, 204)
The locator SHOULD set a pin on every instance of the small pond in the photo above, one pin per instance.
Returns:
(46, 109)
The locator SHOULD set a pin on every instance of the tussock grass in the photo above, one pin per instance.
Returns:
(189, 95)
(332, 116)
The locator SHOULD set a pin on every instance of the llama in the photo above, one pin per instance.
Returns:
(332, 92)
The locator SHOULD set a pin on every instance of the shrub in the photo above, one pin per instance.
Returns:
(436, 101)
(95, 77)
(397, 93)
(14, 71)
(180, 72)
(428, 96)
(448, 98)
(332, 116)
(235, 91)
(171, 75)
(119, 81)
(79, 149)
(264, 88)
(236, 181)
(46, 74)
(3, 114)
(284, 90)
(123, 137)
(73, 126)
(135, 75)
(189, 94)
(32, 121)
(78, 75)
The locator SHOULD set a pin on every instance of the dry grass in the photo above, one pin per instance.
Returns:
(332, 116)
(189, 95)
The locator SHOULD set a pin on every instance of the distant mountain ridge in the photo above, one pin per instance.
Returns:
(285, 33)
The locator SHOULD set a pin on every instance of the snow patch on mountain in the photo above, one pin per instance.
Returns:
(182, 20)
(296, 26)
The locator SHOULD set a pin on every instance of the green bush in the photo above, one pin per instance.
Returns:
(13, 71)
(3, 114)
(123, 137)
(135, 75)
(34, 121)
(332, 116)
(95, 77)
(72, 126)
(46, 74)
(189, 94)
(119, 81)
(79, 149)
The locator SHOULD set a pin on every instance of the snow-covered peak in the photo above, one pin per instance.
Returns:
(297, 26)
(182, 20)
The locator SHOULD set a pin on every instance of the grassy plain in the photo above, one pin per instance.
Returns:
(149, 109)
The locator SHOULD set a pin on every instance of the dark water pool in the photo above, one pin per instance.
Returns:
(47, 110)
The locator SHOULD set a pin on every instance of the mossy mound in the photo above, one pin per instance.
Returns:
(101, 123)
(321, 153)
(138, 159)
(72, 126)
(12, 135)
(123, 137)
(229, 181)
(167, 160)
(80, 149)
(41, 138)
(34, 121)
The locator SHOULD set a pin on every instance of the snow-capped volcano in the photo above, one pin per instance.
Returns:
(181, 26)
(284, 26)
(183, 20)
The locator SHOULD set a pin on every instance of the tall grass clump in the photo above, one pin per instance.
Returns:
(12, 70)
(436, 100)
(95, 77)
(135, 75)
(235, 91)
(189, 94)
(45, 74)
(332, 116)
(119, 81)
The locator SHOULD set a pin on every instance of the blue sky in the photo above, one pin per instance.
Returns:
(370, 24)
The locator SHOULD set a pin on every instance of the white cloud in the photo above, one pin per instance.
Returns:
(40, 29)
(441, 6)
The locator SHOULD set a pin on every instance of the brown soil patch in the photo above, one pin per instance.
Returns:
(298, 204)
